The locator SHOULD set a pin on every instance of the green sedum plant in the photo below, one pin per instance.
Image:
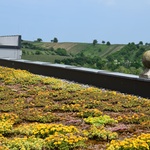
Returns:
(101, 120)
(100, 133)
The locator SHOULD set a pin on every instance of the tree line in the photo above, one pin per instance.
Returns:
(127, 60)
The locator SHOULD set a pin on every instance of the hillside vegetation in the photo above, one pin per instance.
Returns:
(72, 48)
(116, 57)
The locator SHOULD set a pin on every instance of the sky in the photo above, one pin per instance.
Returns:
(116, 21)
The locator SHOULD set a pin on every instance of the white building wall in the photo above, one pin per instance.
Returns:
(9, 40)
(10, 53)
(10, 47)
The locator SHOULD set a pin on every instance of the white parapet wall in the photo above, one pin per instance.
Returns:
(10, 47)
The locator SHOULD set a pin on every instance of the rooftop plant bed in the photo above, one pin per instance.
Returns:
(44, 113)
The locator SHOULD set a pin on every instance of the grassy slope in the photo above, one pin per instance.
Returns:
(71, 47)
(111, 49)
(88, 49)
(44, 58)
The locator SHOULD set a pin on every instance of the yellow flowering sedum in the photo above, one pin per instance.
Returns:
(142, 142)
(6, 122)
(64, 142)
(33, 107)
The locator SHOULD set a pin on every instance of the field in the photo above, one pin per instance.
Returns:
(43, 58)
(44, 113)
(72, 49)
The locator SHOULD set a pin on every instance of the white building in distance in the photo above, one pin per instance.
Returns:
(10, 47)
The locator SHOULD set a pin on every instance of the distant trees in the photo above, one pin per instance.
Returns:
(147, 44)
(55, 40)
(95, 42)
(140, 43)
(101, 63)
(61, 51)
(103, 42)
(39, 40)
(108, 43)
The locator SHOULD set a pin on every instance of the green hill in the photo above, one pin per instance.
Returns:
(71, 48)
(115, 57)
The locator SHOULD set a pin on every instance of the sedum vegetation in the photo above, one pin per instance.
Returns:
(44, 113)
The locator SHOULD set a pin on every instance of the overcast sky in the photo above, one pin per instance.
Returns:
(117, 21)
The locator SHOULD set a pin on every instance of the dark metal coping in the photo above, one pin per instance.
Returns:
(125, 83)
(10, 47)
